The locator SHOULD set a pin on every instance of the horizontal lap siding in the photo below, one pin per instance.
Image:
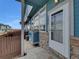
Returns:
(51, 4)
(76, 14)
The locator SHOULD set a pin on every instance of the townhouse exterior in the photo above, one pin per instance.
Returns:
(52, 24)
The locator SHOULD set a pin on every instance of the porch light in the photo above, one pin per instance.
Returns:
(56, 1)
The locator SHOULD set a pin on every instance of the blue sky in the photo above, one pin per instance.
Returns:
(10, 13)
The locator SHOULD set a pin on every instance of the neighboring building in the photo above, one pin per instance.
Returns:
(52, 23)
(4, 28)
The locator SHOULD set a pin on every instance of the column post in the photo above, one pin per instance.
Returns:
(23, 11)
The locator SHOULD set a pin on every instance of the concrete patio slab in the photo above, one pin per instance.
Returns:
(36, 53)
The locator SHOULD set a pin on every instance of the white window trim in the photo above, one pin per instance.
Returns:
(54, 20)
(65, 51)
(71, 10)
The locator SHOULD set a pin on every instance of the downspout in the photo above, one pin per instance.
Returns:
(23, 11)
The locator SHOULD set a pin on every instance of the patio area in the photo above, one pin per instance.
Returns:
(36, 52)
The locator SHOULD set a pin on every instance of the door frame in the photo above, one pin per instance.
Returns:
(64, 48)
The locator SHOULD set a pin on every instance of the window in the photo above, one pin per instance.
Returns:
(39, 20)
(36, 23)
(57, 26)
(43, 21)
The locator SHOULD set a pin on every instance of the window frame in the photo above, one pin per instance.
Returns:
(54, 30)
(38, 14)
(64, 48)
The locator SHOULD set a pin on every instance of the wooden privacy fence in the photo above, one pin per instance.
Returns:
(10, 45)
